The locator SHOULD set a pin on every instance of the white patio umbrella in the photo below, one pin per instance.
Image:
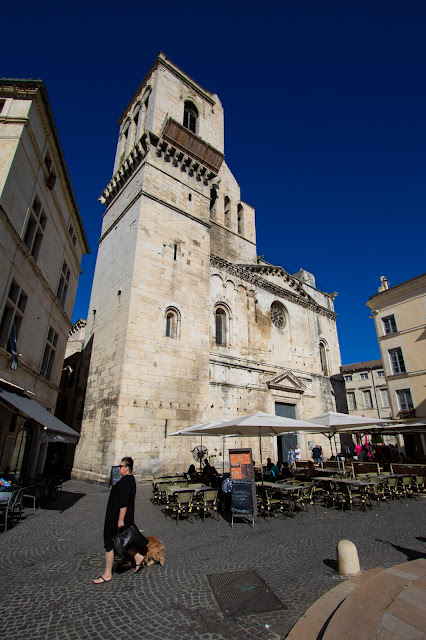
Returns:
(337, 421)
(256, 424)
(343, 422)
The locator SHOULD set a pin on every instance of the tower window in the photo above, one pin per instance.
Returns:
(213, 198)
(389, 324)
(221, 326)
(240, 219)
(323, 358)
(172, 323)
(227, 211)
(190, 115)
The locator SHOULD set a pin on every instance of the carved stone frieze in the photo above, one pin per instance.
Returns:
(252, 274)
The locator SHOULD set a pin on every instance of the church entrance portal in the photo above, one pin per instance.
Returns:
(285, 442)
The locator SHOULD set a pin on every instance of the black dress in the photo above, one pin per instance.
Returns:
(122, 495)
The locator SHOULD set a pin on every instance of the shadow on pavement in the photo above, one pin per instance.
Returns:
(66, 500)
(411, 554)
(329, 562)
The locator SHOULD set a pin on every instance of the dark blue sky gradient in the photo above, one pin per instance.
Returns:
(325, 130)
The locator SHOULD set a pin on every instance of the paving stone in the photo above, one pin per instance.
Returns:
(49, 560)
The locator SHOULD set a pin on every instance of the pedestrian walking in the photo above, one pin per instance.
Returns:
(120, 513)
(291, 458)
(316, 454)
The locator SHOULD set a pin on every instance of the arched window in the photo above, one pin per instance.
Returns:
(240, 219)
(172, 323)
(227, 211)
(190, 115)
(221, 326)
(323, 358)
(213, 198)
(278, 315)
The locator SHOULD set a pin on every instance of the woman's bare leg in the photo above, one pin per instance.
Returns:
(107, 574)
(138, 558)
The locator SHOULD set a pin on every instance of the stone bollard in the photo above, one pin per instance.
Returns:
(347, 558)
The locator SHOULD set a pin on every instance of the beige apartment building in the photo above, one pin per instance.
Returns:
(366, 389)
(42, 241)
(187, 324)
(399, 314)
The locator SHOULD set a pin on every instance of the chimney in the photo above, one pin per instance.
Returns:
(385, 285)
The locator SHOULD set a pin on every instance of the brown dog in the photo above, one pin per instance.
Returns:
(154, 553)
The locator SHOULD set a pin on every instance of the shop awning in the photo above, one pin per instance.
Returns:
(55, 428)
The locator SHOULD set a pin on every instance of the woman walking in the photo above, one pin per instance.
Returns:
(120, 513)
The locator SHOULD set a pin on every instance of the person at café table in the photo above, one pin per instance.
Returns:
(285, 472)
(269, 464)
(9, 477)
(274, 473)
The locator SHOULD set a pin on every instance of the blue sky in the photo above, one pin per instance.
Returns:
(325, 123)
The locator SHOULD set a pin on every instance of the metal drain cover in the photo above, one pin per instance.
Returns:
(240, 593)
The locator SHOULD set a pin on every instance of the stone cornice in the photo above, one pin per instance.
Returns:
(139, 153)
(252, 274)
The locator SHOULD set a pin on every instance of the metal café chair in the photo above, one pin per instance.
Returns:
(7, 507)
(182, 505)
(208, 503)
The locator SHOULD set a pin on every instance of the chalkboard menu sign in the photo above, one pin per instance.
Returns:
(115, 476)
(243, 497)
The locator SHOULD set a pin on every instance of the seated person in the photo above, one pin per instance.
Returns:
(274, 473)
(192, 472)
(214, 478)
(269, 464)
(9, 477)
(310, 470)
(285, 471)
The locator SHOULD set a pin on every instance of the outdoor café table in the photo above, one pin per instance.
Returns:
(195, 488)
(283, 488)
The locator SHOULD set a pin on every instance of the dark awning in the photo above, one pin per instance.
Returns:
(31, 409)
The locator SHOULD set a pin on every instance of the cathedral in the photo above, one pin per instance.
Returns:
(186, 323)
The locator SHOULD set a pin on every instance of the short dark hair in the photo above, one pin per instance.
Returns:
(128, 461)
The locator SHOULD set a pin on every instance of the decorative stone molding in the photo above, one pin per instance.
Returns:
(126, 169)
(286, 381)
(252, 274)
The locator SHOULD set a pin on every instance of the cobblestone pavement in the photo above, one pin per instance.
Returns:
(48, 561)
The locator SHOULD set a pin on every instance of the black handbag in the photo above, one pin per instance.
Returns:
(128, 538)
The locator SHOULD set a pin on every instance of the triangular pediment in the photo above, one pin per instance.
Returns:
(286, 381)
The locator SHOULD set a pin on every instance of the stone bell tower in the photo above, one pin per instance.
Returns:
(149, 315)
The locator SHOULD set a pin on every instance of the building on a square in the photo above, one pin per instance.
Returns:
(42, 241)
(399, 314)
(366, 389)
(187, 322)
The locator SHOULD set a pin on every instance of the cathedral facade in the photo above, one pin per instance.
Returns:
(187, 323)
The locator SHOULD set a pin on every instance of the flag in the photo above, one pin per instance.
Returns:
(13, 347)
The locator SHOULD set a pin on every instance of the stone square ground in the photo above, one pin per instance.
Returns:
(48, 561)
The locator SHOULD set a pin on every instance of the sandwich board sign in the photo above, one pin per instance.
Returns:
(243, 497)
